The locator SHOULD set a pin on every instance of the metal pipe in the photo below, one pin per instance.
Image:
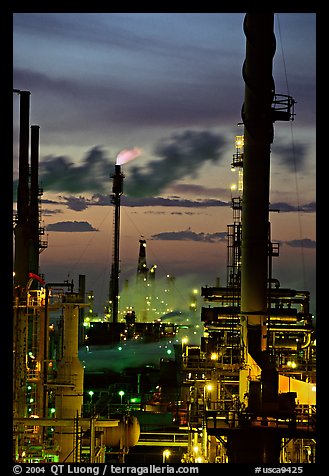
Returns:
(114, 288)
(69, 422)
(21, 265)
(258, 136)
(34, 205)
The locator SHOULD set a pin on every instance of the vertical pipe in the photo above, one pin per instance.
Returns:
(116, 261)
(257, 115)
(258, 136)
(21, 261)
(92, 440)
(117, 192)
(21, 265)
(34, 205)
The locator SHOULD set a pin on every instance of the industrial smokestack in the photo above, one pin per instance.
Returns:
(34, 205)
(258, 113)
(258, 136)
(21, 265)
(114, 284)
(124, 156)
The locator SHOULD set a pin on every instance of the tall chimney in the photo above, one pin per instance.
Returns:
(114, 284)
(34, 204)
(258, 136)
(21, 264)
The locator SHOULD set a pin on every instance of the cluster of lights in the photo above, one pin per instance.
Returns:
(30, 399)
(291, 364)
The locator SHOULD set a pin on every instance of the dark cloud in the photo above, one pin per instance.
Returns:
(304, 243)
(189, 235)
(171, 202)
(77, 204)
(181, 156)
(71, 226)
(59, 174)
(286, 207)
(82, 203)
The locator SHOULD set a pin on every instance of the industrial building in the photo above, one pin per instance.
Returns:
(245, 393)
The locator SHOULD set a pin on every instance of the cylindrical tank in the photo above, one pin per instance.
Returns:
(125, 435)
(69, 382)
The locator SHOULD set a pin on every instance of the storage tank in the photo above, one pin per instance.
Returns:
(125, 435)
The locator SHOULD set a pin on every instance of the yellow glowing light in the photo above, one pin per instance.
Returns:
(239, 141)
(291, 364)
(214, 356)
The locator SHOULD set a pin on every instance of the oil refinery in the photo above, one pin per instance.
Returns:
(235, 381)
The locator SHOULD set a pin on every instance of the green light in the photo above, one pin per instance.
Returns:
(121, 393)
(52, 410)
(135, 400)
(120, 348)
(91, 393)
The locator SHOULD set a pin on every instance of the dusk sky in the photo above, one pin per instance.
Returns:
(171, 85)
